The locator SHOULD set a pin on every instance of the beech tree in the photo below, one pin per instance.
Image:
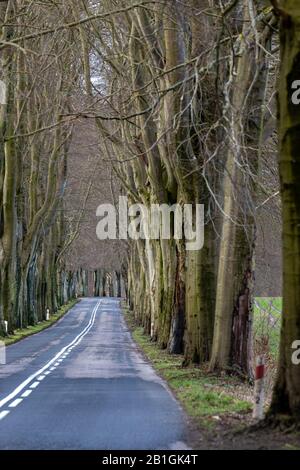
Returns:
(160, 116)
(245, 89)
(160, 79)
(286, 399)
(174, 100)
(38, 75)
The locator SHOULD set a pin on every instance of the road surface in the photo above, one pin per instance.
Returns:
(83, 384)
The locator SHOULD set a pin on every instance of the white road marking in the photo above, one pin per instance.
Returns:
(35, 384)
(3, 414)
(75, 341)
(52, 368)
(47, 372)
(26, 393)
(16, 402)
(41, 377)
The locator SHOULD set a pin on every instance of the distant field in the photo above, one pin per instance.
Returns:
(269, 302)
(267, 321)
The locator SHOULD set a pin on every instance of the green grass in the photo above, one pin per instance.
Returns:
(202, 395)
(31, 330)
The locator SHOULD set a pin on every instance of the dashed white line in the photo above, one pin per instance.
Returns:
(41, 377)
(16, 402)
(68, 348)
(3, 414)
(35, 384)
(26, 393)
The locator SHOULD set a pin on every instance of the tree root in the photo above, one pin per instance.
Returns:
(285, 424)
(282, 422)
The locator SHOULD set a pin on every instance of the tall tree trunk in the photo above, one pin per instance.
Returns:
(286, 397)
(232, 344)
(176, 343)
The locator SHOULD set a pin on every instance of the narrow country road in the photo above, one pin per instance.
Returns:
(83, 384)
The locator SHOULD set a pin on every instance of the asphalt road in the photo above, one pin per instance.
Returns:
(83, 384)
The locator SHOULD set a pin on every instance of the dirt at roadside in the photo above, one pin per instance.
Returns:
(237, 433)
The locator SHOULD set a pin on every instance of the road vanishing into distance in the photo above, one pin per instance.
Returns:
(83, 384)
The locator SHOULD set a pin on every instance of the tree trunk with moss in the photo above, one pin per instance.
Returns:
(176, 340)
(286, 397)
(200, 300)
(232, 344)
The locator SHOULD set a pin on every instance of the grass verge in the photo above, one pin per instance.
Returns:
(20, 334)
(207, 398)
(220, 407)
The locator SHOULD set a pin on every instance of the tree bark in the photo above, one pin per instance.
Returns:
(286, 397)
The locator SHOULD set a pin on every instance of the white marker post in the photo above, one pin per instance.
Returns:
(47, 314)
(2, 93)
(2, 353)
(259, 395)
(5, 326)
